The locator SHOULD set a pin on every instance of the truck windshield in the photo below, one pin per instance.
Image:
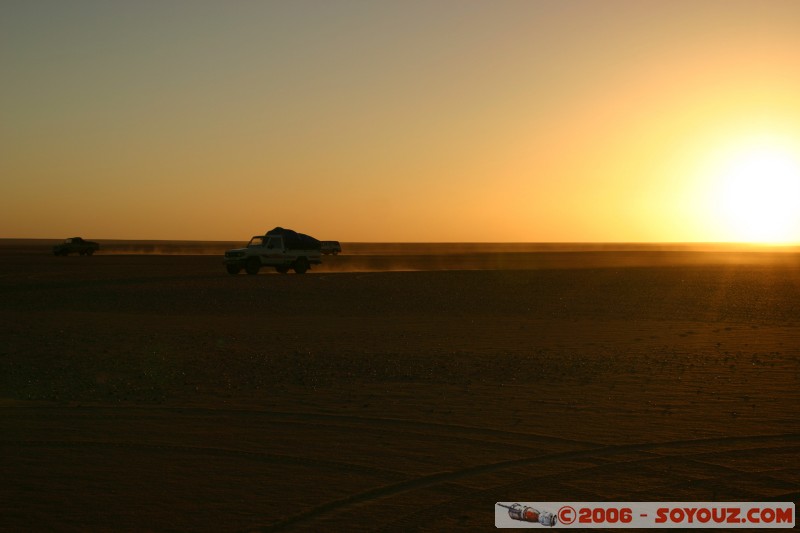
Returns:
(256, 241)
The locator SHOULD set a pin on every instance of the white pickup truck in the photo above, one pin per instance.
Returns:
(280, 248)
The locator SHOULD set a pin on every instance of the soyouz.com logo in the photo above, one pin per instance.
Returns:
(645, 514)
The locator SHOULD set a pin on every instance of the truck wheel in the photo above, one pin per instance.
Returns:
(283, 269)
(252, 266)
(233, 269)
(301, 265)
(89, 252)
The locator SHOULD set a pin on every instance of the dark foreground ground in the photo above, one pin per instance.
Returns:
(153, 392)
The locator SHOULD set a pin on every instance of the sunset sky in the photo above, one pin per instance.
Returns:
(460, 120)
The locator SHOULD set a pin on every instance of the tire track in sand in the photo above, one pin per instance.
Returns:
(422, 482)
(267, 457)
(460, 432)
(427, 515)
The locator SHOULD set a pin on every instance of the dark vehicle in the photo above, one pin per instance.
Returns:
(75, 245)
(330, 247)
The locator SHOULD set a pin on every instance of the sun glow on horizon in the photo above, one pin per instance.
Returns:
(756, 191)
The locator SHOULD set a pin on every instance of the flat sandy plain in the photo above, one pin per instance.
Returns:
(390, 391)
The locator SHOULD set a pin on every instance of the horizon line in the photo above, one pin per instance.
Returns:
(574, 243)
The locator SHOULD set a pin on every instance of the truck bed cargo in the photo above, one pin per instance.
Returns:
(293, 240)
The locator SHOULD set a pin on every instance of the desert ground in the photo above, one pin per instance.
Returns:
(392, 390)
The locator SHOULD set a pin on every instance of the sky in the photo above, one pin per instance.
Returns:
(401, 121)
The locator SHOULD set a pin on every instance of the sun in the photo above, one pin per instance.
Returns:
(757, 194)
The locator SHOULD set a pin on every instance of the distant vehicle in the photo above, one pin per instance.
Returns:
(76, 245)
(280, 248)
(330, 247)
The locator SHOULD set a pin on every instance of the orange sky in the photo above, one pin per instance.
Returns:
(406, 121)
